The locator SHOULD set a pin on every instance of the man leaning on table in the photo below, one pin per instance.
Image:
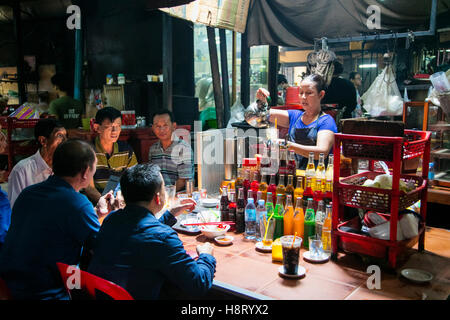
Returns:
(173, 155)
(51, 222)
(143, 254)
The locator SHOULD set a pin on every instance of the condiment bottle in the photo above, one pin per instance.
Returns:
(299, 218)
(310, 222)
(232, 207)
(240, 212)
(224, 205)
(288, 219)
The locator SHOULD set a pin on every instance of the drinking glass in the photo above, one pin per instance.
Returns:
(291, 251)
(315, 247)
(170, 192)
(267, 228)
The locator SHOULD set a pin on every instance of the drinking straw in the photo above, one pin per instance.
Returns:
(276, 122)
(267, 226)
(295, 235)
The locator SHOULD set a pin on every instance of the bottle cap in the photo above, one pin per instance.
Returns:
(250, 200)
(261, 202)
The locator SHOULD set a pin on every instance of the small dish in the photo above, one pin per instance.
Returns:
(417, 275)
(301, 271)
(323, 258)
(209, 203)
(224, 240)
(260, 247)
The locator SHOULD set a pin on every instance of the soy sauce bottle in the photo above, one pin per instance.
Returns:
(240, 212)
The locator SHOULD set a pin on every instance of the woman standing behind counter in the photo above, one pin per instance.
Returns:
(310, 130)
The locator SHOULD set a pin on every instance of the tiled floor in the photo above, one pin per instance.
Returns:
(242, 266)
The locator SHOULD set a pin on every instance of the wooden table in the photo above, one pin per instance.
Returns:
(243, 272)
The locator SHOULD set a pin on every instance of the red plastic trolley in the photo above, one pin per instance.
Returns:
(349, 191)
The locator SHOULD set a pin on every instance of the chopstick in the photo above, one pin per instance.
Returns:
(209, 223)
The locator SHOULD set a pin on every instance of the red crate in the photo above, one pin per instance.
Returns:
(353, 194)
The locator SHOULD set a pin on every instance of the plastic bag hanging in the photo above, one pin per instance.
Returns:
(383, 97)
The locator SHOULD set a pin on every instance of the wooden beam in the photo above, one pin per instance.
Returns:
(272, 76)
(225, 79)
(167, 62)
(218, 97)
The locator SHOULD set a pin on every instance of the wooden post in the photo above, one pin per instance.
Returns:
(225, 79)
(19, 52)
(167, 62)
(218, 98)
(245, 71)
(272, 76)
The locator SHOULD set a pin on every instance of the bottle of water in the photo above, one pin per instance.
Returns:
(431, 171)
(250, 220)
(320, 218)
(260, 212)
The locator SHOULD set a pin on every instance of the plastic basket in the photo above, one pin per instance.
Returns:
(353, 194)
(382, 148)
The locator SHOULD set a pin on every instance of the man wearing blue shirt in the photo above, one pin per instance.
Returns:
(141, 253)
(51, 222)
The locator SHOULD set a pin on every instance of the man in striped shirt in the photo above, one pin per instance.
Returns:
(173, 155)
(113, 156)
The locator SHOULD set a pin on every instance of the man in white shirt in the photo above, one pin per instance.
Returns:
(49, 133)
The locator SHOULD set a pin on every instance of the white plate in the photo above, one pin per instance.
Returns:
(259, 245)
(417, 275)
(307, 256)
(301, 271)
(209, 203)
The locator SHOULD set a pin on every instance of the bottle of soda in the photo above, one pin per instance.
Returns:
(319, 218)
(298, 191)
(292, 164)
(279, 218)
(288, 218)
(318, 194)
(260, 212)
(269, 205)
(240, 212)
(329, 173)
(272, 188)
(224, 205)
(299, 219)
(254, 186)
(328, 196)
(259, 196)
(308, 193)
(263, 187)
(326, 230)
(290, 186)
(239, 183)
(283, 169)
(232, 210)
(281, 189)
(310, 222)
(250, 220)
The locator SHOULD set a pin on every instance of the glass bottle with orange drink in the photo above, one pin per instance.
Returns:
(326, 230)
(263, 187)
(320, 170)
(299, 218)
(290, 186)
(288, 219)
(281, 189)
(298, 191)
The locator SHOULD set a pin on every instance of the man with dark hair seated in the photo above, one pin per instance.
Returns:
(173, 155)
(113, 156)
(49, 133)
(51, 222)
(142, 253)
(67, 109)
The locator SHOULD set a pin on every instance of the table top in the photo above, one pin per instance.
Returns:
(251, 274)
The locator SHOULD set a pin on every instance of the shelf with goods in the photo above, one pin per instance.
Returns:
(350, 192)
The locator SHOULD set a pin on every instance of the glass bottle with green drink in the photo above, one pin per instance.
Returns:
(279, 216)
(310, 223)
(269, 205)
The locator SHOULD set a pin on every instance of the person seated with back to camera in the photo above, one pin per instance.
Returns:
(52, 222)
(173, 155)
(143, 254)
(113, 156)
